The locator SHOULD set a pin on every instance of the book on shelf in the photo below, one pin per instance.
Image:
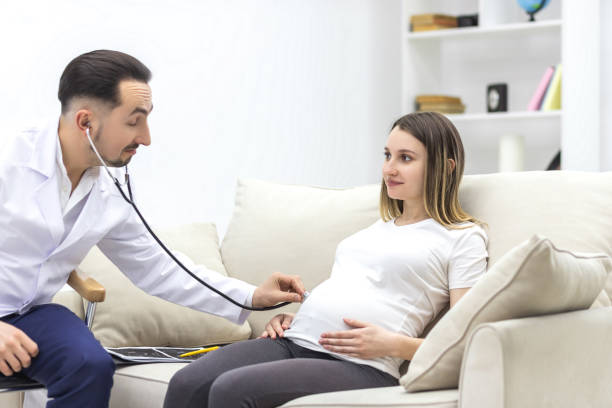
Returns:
(433, 18)
(439, 103)
(429, 27)
(538, 96)
(442, 108)
(427, 22)
(437, 99)
(552, 99)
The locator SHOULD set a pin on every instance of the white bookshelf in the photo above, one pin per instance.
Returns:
(504, 116)
(505, 48)
(502, 29)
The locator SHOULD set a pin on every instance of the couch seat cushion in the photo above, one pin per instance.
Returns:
(142, 385)
(378, 397)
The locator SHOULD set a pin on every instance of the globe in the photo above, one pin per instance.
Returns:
(532, 6)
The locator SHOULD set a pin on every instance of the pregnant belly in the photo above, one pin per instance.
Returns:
(329, 303)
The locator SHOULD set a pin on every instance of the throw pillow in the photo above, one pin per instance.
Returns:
(534, 278)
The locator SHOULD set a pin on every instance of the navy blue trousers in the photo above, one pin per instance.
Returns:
(71, 363)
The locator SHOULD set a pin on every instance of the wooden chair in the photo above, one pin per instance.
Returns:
(90, 290)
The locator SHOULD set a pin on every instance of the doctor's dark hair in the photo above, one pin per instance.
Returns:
(97, 74)
(441, 196)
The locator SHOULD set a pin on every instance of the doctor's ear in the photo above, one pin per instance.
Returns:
(83, 119)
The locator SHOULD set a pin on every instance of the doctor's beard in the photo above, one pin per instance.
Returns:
(112, 163)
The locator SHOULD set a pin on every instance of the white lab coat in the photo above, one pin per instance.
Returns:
(35, 262)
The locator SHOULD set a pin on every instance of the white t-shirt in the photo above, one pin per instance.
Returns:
(396, 277)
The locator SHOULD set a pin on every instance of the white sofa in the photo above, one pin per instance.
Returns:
(556, 360)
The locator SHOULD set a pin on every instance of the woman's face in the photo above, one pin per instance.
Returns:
(404, 166)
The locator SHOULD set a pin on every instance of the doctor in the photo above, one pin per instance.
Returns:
(56, 204)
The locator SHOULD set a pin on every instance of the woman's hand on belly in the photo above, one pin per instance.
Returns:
(368, 341)
(364, 340)
(277, 325)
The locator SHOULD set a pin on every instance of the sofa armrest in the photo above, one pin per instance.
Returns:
(560, 360)
(88, 288)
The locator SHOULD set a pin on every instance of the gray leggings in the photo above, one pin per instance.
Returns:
(266, 373)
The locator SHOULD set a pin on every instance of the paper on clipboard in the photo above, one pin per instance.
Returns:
(153, 354)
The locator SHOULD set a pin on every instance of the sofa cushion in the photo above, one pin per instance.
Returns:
(11, 399)
(131, 317)
(378, 397)
(145, 386)
(571, 208)
(535, 278)
(142, 385)
(293, 230)
(134, 386)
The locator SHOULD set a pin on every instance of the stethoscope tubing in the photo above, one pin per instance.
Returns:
(130, 201)
(179, 263)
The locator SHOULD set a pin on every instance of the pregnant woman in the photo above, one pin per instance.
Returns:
(387, 283)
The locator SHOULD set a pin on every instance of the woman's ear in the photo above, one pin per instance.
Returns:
(451, 165)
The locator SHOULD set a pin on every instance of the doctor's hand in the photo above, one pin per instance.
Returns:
(16, 349)
(278, 288)
(277, 325)
(364, 341)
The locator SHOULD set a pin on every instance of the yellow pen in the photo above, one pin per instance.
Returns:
(204, 350)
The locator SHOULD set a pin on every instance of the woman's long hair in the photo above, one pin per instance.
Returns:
(442, 142)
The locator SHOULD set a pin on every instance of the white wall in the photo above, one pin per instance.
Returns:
(606, 85)
(285, 90)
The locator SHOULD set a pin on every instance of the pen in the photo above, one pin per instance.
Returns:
(204, 350)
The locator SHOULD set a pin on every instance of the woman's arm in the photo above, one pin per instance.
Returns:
(456, 294)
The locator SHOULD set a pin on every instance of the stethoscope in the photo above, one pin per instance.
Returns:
(144, 222)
